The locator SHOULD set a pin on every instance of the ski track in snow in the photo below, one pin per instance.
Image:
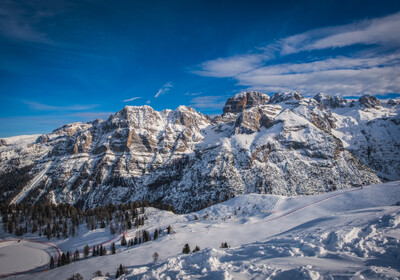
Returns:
(30, 186)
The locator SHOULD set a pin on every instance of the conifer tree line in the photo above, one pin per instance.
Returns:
(142, 236)
(64, 220)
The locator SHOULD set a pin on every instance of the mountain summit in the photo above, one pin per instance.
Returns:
(286, 144)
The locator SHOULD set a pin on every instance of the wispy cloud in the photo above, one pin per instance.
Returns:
(20, 20)
(379, 31)
(208, 102)
(44, 107)
(230, 66)
(165, 88)
(374, 71)
(193, 93)
(131, 99)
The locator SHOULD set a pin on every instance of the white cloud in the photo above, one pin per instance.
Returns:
(345, 82)
(375, 70)
(379, 31)
(44, 107)
(231, 66)
(165, 88)
(131, 99)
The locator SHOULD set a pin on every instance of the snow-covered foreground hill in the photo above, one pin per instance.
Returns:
(345, 234)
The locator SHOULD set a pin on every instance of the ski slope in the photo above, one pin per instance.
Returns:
(346, 234)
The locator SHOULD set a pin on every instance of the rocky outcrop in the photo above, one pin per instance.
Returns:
(329, 101)
(393, 102)
(368, 101)
(245, 100)
(287, 97)
(253, 119)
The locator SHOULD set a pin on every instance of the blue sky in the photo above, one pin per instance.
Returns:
(66, 61)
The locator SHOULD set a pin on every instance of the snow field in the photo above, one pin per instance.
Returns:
(346, 234)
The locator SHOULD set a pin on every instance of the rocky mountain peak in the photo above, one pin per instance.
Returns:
(393, 102)
(369, 101)
(286, 97)
(245, 100)
(330, 101)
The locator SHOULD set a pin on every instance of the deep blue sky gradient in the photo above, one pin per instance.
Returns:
(67, 61)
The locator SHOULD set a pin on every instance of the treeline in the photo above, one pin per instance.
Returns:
(141, 236)
(64, 220)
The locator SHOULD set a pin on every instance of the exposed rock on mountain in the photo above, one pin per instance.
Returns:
(330, 101)
(393, 102)
(369, 101)
(245, 100)
(289, 145)
(286, 97)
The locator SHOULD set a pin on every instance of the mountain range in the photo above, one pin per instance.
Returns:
(285, 144)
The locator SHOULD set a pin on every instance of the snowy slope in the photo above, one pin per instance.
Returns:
(346, 234)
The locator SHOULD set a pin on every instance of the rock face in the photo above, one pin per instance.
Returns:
(330, 101)
(245, 100)
(292, 97)
(289, 146)
(369, 101)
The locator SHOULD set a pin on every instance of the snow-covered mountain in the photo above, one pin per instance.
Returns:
(286, 145)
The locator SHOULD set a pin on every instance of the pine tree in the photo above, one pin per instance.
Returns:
(155, 256)
(155, 236)
(65, 230)
(123, 241)
(186, 249)
(86, 251)
(146, 236)
(121, 270)
(48, 231)
(94, 251)
(76, 255)
(169, 229)
(75, 277)
(68, 258)
(197, 248)
(63, 260)
(224, 245)
(113, 251)
(51, 262)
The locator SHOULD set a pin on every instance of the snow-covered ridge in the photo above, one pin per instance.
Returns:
(284, 145)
